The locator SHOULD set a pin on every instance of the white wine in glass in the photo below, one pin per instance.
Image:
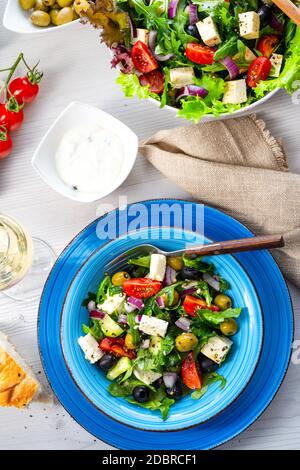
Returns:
(24, 261)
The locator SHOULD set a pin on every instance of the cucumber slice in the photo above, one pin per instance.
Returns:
(110, 327)
(123, 365)
(155, 345)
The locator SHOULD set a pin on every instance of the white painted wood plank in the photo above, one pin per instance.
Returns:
(76, 67)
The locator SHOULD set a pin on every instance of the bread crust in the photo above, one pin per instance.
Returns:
(17, 388)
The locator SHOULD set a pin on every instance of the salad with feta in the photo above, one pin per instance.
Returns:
(204, 57)
(160, 330)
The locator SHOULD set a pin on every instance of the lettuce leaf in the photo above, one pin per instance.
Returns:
(209, 379)
(157, 401)
(290, 74)
(131, 87)
(215, 318)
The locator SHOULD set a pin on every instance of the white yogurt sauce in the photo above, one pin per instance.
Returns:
(89, 158)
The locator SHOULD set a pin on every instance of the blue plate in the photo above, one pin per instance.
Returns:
(276, 306)
(187, 412)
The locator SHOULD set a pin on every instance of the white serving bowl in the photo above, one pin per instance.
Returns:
(17, 20)
(74, 115)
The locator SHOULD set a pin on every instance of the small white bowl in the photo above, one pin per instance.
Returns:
(18, 20)
(74, 115)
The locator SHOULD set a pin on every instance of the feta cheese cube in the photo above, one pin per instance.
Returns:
(141, 35)
(112, 303)
(235, 92)
(217, 348)
(90, 347)
(148, 377)
(249, 25)
(276, 61)
(153, 326)
(158, 264)
(208, 32)
(181, 76)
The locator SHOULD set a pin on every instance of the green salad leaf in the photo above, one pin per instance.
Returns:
(215, 318)
(94, 329)
(131, 86)
(125, 388)
(209, 379)
(143, 261)
(103, 289)
(198, 264)
(158, 401)
(133, 331)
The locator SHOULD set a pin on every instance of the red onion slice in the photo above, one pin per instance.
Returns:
(231, 66)
(145, 344)
(211, 281)
(138, 318)
(123, 319)
(183, 323)
(193, 14)
(129, 308)
(170, 276)
(189, 291)
(97, 314)
(173, 8)
(151, 43)
(169, 379)
(133, 30)
(160, 302)
(91, 305)
(136, 302)
(192, 90)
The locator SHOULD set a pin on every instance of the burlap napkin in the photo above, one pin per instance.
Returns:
(237, 166)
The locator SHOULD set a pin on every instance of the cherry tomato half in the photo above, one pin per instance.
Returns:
(191, 305)
(190, 373)
(117, 347)
(141, 288)
(259, 70)
(23, 90)
(154, 79)
(199, 54)
(10, 119)
(142, 58)
(267, 44)
(6, 143)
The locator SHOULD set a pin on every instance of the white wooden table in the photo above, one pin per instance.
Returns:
(76, 67)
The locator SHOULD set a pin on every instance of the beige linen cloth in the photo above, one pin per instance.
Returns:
(237, 166)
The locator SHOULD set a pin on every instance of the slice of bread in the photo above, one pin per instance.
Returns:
(18, 384)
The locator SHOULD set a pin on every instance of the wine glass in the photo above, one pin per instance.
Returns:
(24, 261)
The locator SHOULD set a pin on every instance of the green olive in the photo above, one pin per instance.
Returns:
(75, 15)
(186, 342)
(53, 15)
(175, 262)
(119, 278)
(49, 3)
(40, 18)
(40, 6)
(82, 6)
(65, 15)
(229, 327)
(27, 4)
(166, 301)
(223, 301)
(64, 3)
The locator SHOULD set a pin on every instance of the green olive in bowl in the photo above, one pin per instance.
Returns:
(65, 15)
(40, 18)
(40, 6)
(27, 4)
(65, 3)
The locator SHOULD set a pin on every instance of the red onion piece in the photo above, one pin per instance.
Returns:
(122, 59)
(169, 379)
(183, 323)
(133, 31)
(138, 318)
(160, 302)
(145, 344)
(91, 305)
(151, 43)
(189, 291)
(123, 319)
(136, 302)
(231, 66)
(97, 314)
(129, 308)
(275, 23)
(193, 13)
(170, 276)
(192, 90)
(211, 281)
(172, 8)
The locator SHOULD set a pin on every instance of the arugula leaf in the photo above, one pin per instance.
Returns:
(229, 48)
(133, 331)
(209, 379)
(203, 286)
(94, 329)
(113, 290)
(103, 289)
(131, 86)
(202, 331)
(215, 318)
(157, 401)
(224, 284)
(125, 389)
(198, 264)
(143, 261)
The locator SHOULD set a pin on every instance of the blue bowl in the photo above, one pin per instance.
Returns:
(187, 412)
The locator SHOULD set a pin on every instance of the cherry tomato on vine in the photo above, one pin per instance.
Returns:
(23, 89)
(11, 115)
(6, 143)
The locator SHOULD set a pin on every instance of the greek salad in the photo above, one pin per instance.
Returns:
(204, 57)
(160, 330)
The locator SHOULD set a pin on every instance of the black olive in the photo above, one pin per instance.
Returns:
(141, 393)
(264, 13)
(106, 362)
(206, 364)
(175, 391)
(158, 383)
(190, 273)
(192, 30)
